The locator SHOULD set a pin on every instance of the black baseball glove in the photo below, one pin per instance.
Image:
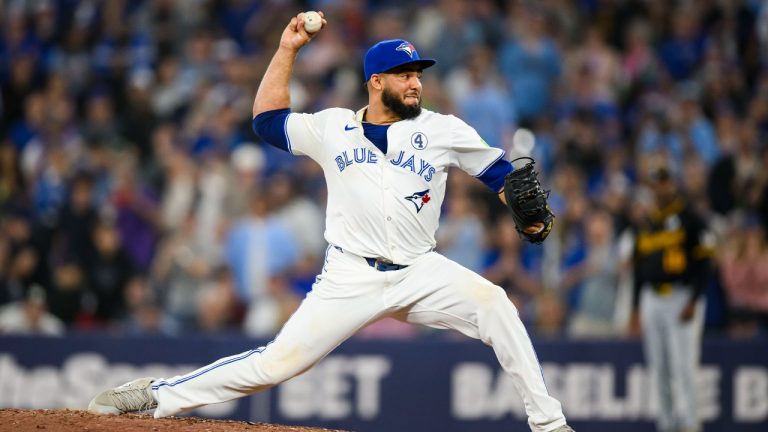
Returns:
(528, 201)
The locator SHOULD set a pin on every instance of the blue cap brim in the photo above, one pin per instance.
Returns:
(424, 63)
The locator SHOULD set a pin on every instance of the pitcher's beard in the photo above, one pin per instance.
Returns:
(394, 104)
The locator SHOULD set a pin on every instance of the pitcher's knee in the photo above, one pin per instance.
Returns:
(280, 364)
(492, 296)
(492, 300)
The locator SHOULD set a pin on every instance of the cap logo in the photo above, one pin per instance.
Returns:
(407, 48)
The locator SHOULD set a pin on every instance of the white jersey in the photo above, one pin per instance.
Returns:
(387, 205)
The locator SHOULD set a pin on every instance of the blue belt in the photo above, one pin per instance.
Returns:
(383, 265)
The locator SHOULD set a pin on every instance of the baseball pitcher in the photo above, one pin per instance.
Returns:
(386, 167)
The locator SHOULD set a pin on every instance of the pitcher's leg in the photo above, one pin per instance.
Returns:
(457, 298)
(317, 327)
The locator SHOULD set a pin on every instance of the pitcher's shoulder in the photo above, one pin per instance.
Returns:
(435, 117)
(337, 112)
(334, 115)
(445, 122)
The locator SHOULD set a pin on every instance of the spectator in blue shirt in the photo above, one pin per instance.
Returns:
(259, 250)
(530, 64)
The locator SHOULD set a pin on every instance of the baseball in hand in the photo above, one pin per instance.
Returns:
(312, 21)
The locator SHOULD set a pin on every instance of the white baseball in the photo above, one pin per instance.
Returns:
(312, 21)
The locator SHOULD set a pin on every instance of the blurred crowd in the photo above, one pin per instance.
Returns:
(134, 197)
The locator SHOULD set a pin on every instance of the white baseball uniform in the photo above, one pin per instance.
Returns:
(383, 207)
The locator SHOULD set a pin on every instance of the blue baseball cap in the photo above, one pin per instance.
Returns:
(390, 54)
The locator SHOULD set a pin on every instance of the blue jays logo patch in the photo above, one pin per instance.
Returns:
(419, 199)
(407, 48)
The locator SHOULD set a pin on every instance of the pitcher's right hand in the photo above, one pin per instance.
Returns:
(294, 36)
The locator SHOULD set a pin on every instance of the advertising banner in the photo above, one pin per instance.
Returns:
(399, 386)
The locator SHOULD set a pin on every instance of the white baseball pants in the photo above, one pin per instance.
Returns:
(349, 295)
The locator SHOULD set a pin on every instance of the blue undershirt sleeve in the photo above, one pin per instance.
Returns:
(493, 176)
(270, 127)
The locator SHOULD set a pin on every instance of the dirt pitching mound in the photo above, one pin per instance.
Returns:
(16, 420)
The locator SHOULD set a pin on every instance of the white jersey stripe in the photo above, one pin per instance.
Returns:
(491, 164)
(287, 137)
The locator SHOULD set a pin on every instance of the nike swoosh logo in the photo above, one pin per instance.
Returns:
(349, 128)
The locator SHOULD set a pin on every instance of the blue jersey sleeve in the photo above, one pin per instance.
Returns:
(493, 175)
(270, 127)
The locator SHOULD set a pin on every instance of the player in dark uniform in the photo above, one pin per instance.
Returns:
(671, 269)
